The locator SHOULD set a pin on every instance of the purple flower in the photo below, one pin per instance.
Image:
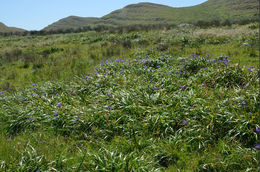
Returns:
(122, 60)
(257, 129)
(58, 105)
(182, 88)
(184, 122)
(109, 94)
(25, 99)
(78, 119)
(114, 84)
(86, 77)
(2, 93)
(205, 68)
(257, 147)
(33, 84)
(167, 74)
(155, 88)
(117, 60)
(243, 103)
(226, 63)
(109, 107)
(31, 118)
(249, 70)
(179, 71)
(56, 114)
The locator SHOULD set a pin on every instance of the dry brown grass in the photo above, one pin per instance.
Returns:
(225, 31)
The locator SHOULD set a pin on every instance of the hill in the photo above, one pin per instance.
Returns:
(4, 28)
(150, 13)
(74, 22)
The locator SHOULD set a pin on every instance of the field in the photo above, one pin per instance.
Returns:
(184, 99)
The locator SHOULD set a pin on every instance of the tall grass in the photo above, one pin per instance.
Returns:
(151, 112)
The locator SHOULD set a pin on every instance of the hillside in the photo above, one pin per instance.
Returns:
(4, 28)
(74, 22)
(180, 99)
(149, 13)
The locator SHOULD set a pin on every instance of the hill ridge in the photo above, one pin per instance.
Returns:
(152, 13)
(4, 28)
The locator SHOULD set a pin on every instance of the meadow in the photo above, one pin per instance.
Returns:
(183, 99)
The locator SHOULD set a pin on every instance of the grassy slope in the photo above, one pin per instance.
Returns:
(161, 108)
(61, 57)
(149, 13)
(75, 22)
(153, 112)
(4, 28)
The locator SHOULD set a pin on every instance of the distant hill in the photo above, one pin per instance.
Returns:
(4, 28)
(74, 22)
(149, 13)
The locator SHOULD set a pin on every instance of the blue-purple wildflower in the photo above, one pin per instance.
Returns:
(182, 88)
(243, 103)
(257, 129)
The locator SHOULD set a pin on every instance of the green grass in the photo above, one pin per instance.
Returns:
(39, 59)
(149, 13)
(167, 100)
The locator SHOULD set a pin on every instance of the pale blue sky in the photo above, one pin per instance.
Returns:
(36, 14)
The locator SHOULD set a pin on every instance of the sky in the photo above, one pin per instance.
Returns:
(37, 14)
